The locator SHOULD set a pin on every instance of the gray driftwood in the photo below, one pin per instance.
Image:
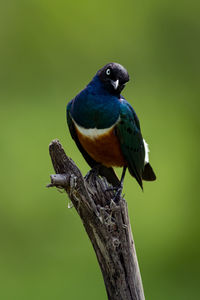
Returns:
(106, 223)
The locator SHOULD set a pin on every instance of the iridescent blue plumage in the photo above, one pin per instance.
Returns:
(95, 106)
(100, 106)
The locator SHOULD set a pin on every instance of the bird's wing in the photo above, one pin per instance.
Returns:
(103, 171)
(131, 141)
(73, 133)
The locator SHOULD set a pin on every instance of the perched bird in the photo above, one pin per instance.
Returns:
(106, 128)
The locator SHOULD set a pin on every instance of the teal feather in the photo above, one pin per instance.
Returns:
(131, 141)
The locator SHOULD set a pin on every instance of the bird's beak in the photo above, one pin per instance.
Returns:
(115, 84)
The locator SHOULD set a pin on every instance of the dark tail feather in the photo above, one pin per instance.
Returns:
(137, 177)
(139, 180)
(110, 175)
(148, 173)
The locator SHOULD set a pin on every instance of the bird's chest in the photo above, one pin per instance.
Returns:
(93, 110)
(102, 145)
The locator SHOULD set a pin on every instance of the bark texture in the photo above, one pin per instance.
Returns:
(106, 223)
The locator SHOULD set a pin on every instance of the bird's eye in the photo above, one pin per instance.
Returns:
(108, 72)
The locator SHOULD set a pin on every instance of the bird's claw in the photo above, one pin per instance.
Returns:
(93, 172)
(118, 192)
(111, 188)
(118, 195)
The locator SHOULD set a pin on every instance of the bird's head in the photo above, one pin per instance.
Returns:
(114, 77)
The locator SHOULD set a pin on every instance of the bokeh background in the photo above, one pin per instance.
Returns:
(49, 50)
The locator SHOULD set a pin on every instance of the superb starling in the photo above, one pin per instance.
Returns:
(106, 128)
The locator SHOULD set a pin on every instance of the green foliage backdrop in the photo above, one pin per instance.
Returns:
(49, 50)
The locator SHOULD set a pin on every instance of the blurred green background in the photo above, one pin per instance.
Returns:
(49, 51)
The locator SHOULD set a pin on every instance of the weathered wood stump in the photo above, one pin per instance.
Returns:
(106, 223)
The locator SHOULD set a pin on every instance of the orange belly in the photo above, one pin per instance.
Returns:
(104, 149)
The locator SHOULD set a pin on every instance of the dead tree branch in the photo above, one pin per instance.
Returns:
(106, 223)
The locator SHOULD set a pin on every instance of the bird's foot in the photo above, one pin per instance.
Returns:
(118, 192)
(118, 195)
(119, 188)
(92, 173)
(112, 188)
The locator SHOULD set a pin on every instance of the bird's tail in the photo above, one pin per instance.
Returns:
(148, 173)
(110, 175)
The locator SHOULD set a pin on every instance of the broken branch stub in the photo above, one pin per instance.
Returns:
(106, 223)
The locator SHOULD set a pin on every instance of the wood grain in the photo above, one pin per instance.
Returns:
(106, 223)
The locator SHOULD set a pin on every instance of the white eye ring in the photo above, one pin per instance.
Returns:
(108, 72)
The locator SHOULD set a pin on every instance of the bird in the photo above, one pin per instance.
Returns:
(107, 130)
